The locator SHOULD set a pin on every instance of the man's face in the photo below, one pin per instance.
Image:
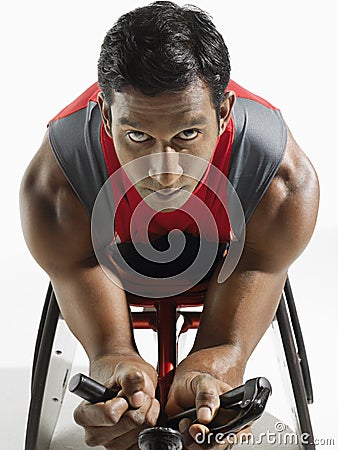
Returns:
(164, 128)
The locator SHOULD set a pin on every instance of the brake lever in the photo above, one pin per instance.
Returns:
(246, 417)
(249, 400)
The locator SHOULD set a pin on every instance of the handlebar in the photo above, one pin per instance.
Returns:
(248, 400)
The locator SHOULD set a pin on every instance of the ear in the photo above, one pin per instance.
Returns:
(105, 113)
(225, 110)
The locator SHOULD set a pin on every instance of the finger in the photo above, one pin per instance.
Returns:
(204, 439)
(100, 414)
(153, 413)
(199, 434)
(126, 432)
(123, 434)
(184, 425)
(108, 435)
(132, 383)
(187, 439)
(207, 398)
(125, 441)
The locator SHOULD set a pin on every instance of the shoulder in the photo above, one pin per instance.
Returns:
(55, 224)
(284, 220)
(258, 148)
(257, 121)
(77, 140)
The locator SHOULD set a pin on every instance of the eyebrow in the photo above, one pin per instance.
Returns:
(194, 121)
(126, 121)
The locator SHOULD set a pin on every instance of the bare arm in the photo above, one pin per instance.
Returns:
(57, 231)
(237, 312)
(241, 309)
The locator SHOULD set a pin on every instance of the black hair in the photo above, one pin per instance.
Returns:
(161, 48)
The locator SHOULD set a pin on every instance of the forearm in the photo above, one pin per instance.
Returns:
(96, 311)
(222, 362)
(236, 315)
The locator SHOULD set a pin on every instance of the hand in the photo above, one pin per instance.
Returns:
(202, 438)
(202, 390)
(114, 424)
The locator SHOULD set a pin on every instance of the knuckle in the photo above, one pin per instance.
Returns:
(135, 419)
(92, 440)
(153, 413)
(128, 423)
(203, 382)
(109, 413)
(79, 415)
(150, 421)
(203, 378)
(208, 396)
(129, 377)
(134, 377)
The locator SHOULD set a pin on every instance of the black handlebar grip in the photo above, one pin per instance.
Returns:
(90, 390)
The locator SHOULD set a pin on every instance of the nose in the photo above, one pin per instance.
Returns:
(165, 167)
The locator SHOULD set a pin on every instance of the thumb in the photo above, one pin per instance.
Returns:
(131, 380)
(206, 397)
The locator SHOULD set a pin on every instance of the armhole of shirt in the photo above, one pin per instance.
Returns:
(258, 149)
(75, 141)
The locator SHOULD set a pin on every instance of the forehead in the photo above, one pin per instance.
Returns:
(131, 105)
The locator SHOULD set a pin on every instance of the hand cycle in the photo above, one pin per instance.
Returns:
(248, 401)
(164, 312)
(160, 315)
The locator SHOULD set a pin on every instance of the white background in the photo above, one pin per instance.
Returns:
(284, 51)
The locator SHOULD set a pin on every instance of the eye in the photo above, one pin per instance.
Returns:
(188, 135)
(138, 136)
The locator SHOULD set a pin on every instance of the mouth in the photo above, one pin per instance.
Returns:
(166, 198)
(167, 193)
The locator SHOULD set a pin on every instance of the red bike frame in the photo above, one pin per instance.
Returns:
(163, 321)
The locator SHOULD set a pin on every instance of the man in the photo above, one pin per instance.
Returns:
(164, 99)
